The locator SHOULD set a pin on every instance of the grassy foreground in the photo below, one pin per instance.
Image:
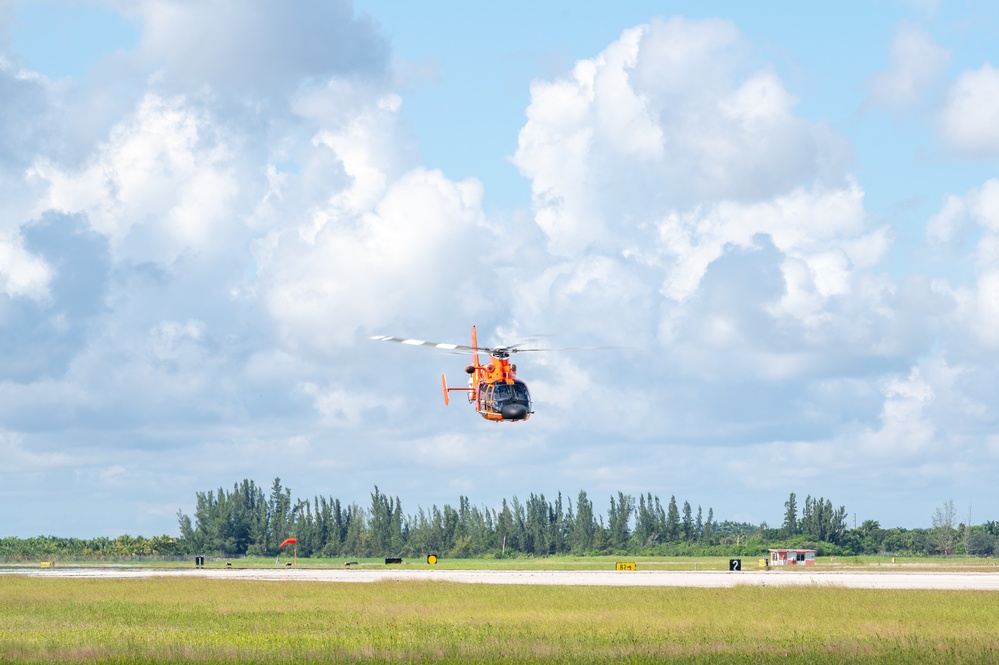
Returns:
(220, 621)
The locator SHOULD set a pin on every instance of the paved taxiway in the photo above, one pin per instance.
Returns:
(704, 579)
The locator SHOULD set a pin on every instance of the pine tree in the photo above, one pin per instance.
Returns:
(790, 525)
(618, 518)
(584, 528)
(672, 521)
(688, 523)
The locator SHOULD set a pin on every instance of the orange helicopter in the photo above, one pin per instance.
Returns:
(493, 389)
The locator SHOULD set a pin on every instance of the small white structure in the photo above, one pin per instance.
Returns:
(792, 557)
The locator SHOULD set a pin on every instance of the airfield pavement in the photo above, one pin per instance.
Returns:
(968, 581)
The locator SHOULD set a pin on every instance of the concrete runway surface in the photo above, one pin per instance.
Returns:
(704, 579)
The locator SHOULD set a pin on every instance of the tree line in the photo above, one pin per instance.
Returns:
(248, 521)
(122, 547)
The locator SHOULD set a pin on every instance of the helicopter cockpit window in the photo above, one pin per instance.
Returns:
(503, 392)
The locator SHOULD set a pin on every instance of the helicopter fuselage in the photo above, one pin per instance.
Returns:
(497, 393)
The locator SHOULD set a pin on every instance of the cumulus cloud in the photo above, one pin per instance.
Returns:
(665, 154)
(159, 186)
(905, 428)
(667, 117)
(916, 62)
(948, 225)
(22, 274)
(19, 459)
(244, 258)
(900, 445)
(974, 215)
(42, 329)
(986, 307)
(969, 121)
(669, 158)
(173, 341)
(256, 48)
(26, 114)
(360, 271)
(980, 207)
(825, 230)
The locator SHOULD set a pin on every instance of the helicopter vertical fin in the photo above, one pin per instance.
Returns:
(444, 383)
(475, 345)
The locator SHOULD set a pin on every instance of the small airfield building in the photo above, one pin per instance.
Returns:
(792, 557)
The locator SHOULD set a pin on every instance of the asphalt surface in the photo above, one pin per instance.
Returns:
(986, 581)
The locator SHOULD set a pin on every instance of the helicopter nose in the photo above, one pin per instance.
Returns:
(514, 411)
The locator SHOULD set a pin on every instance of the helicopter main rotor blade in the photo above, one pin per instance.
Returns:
(565, 348)
(494, 350)
(532, 338)
(420, 342)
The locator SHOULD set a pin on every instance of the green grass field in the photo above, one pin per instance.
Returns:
(220, 621)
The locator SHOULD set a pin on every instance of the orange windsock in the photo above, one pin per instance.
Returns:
(287, 541)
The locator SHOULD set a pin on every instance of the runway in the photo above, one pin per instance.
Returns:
(956, 581)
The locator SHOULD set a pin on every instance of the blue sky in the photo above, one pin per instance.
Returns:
(788, 216)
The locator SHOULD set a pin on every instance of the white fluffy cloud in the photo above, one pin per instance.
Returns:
(973, 215)
(667, 117)
(826, 231)
(26, 112)
(916, 62)
(360, 270)
(256, 48)
(158, 187)
(19, 459)
(969, 121)
(22, 274)
(254, 220)
(665, 154)
(905, 429)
